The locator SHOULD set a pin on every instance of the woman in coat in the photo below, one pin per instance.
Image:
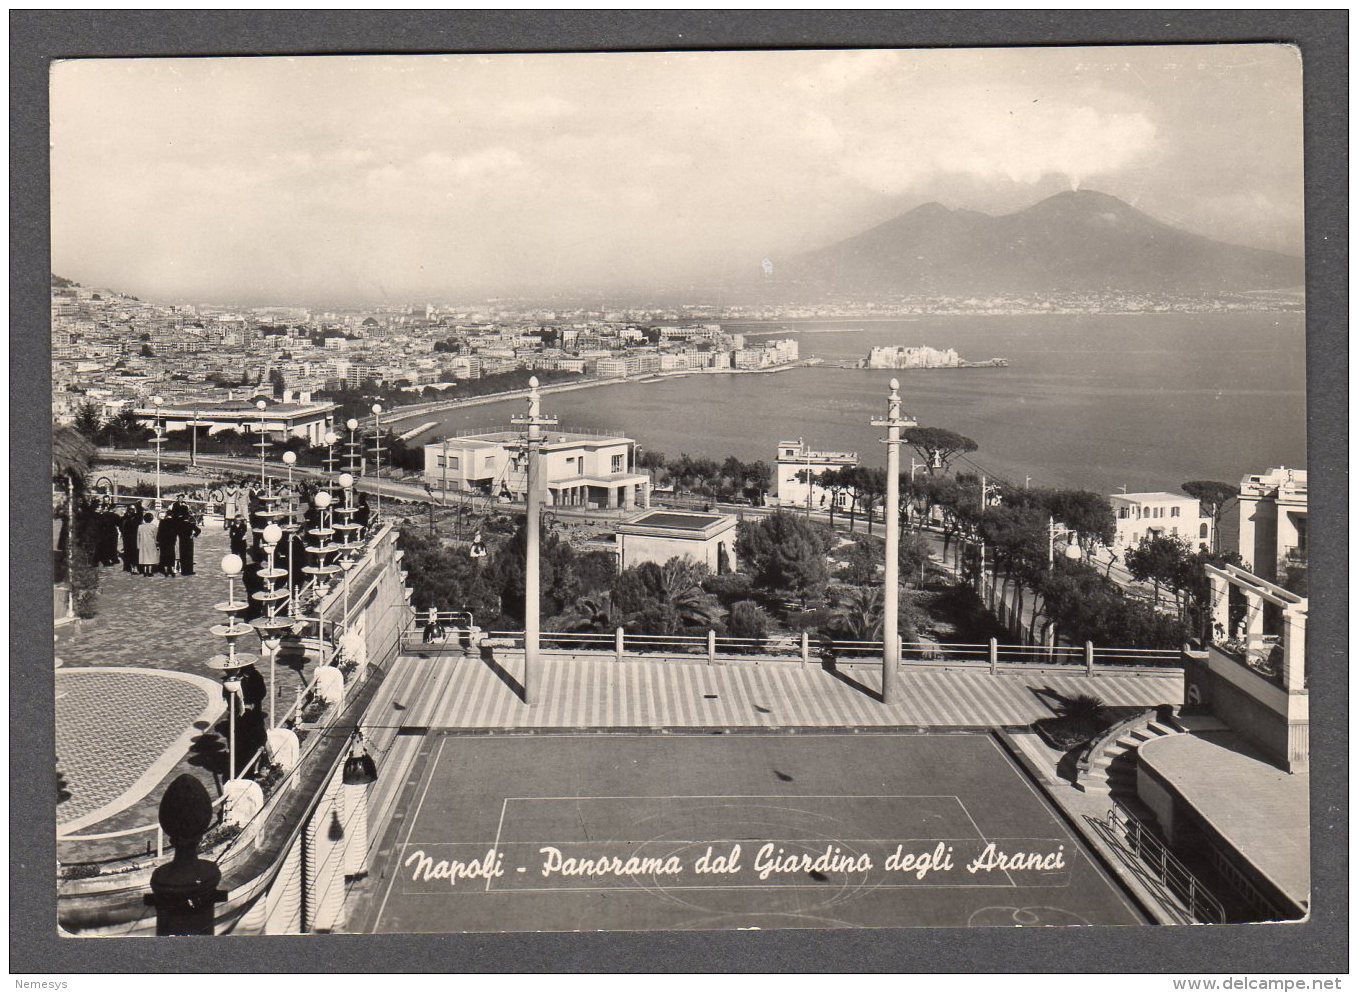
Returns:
(186, 529)
(148, 552)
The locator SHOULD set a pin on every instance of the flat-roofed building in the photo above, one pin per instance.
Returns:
(795, 460)
(579, 469)
(279, 421)
(1142, 515)
(660, 535)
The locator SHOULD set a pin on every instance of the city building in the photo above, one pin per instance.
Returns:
(1141, 515)
(660, 535)
(579, 469)
(795, 459)
(279, 421)
(1268, 522)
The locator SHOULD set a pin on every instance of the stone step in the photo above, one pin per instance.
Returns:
(1093, 786)
(1160, 729)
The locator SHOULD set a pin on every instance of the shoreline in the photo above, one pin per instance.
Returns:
(396, 416)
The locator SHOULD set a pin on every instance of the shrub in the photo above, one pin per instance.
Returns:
(748, 620)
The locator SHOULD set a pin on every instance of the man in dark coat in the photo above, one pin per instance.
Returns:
(186, 530)
(127, 525)
(165, 540)
(239, 532)
(108, 522)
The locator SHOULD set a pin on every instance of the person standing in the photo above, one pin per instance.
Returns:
(237, 533)
(241, 502)
(166, 533)
(186, 530)
(148, 552)
(230, 510)
(108, 533)
(127, 526)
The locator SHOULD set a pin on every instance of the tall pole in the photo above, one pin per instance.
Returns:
(809, 484)
(445, 470)
(156, 402)
(534, 422)
(193, 441)
(377, 454)
(263, 481)
(891, 641)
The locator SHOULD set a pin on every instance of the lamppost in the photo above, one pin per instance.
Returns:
(352, 445)
(377, 453)
(260, 405)
(347, 564)
(193, 440)
(159, 440)
(360, 772)
(534, 422)
(232, 662)
(330, 439)
(891, 640)
(322, 569)
(1072, 549)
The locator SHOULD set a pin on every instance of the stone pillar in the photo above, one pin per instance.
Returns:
(1294, 650)
(1254, 616)
(1221, 606)
(646, 496)
(627, 490)
(891, 650)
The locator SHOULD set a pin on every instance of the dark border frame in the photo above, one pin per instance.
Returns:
(1319, 946)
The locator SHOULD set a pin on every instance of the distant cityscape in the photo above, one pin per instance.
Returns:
(115, 350)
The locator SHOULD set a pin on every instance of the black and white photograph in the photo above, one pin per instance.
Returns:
(680, 491)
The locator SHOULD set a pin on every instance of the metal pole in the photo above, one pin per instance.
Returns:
(1051, 542)
(445, 470)
(193, 441)
(534, 422)
(891, 640)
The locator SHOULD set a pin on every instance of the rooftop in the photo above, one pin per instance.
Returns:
(1155, 495)
(677, 520)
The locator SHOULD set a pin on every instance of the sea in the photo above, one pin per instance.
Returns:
(1100, 402)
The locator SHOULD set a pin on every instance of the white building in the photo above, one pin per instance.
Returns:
(280, 421)
(660, 535)
(1140, 515)
(795, 459)
(1268, 522)
(578, 469)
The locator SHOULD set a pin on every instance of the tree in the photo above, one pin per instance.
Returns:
(1161, 560)
(911, 556)
(938, 446)
(785, 554)
(87, 420)
(651, 460)
(860, 565)
(1211, 496)
(665, 599)
(748, 620)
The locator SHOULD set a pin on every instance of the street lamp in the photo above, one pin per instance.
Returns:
(377, 453)
(360, 772)
(271, 648)
(159, 440)
(232, 662)
(260, 405)
(330, 438)
(352, 445)
(1072, 550)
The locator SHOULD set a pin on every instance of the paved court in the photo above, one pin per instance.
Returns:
(644, 831)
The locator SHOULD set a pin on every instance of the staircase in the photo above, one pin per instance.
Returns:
(1112, 767)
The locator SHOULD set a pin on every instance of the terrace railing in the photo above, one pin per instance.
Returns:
(461, 636)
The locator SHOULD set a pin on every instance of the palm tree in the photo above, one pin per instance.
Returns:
(858, 616)
(679, 584)
(590, 614)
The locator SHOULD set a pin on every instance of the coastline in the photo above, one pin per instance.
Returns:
(399, 415)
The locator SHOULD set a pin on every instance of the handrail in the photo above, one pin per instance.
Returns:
(1201, 904)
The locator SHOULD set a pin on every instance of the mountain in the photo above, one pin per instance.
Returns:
(1079, 241)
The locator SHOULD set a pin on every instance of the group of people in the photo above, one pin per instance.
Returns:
(156, 541)
(147, 541)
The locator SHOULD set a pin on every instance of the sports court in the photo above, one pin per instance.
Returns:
(564, 832)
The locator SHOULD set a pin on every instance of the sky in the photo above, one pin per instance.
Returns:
(377, 180)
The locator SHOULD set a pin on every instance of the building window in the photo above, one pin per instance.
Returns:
(1173, 511)
(617, 463)
(453, 462)
(1122, 513)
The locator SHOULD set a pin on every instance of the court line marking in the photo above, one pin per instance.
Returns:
(981, 835)
(495, 846)
(755, 796)
(409, 831)
(1079, 844)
